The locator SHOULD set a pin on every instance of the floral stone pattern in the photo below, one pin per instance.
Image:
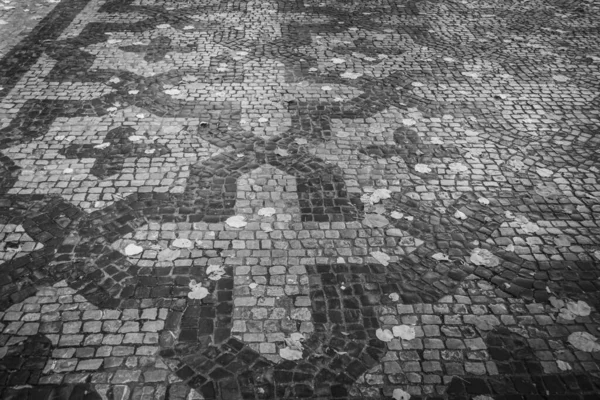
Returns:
(231, 200)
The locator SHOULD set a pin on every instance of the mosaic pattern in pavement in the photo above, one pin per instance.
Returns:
(235, 200)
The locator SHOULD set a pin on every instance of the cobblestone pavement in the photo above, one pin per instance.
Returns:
(313, 199)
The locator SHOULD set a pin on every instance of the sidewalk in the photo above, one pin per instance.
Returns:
(281, 200)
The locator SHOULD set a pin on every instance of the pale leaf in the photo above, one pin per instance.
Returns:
(566, 314)
(380, 194)
(560, 78)
(351, 75)
(197, 292)
(484, 257)
(102, 146)
(556, 303)
(563, 366)
(404, 332)
(338, 60)
(584, 341)
(168, 255)
(375, 221)
(281, 152)
(483, 200)
(172, 92)
(133, 249)
(326, 88)
(457, 167)
(460, 215)
(394, 296)
(290, 354)
(396, 215)
(581, 308)
(267, 212)
(530, 227)
(237, 221)
(215, 272)
(436, 140)
(385, 335)
(163, 26)
(399, 394)
(381, 257)
(440, 257)
(423, 168)
(301, 141)
(136, 138)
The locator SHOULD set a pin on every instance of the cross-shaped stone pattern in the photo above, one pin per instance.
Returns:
(299, 199)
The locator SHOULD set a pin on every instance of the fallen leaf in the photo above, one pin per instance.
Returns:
(136, 138)
(436, 140)
(102, 146)
(581, 308)
(409, 122)
(338, 60)
(326, 88)
(237, 221)
(423, 168)
(486, 322)
(584, 341)
(484, 257)
(396, 215)
(149, 151)
(114, 79)
(510, 247)
(440, 257)
(399, 394)
(375, 221)
(133, 249)
(457, 167)
(556, 303)
(483, 200)
(198, 292)
(281, 152)
(168, 255)
(394, 296)
(560, 78)
(215, 272)
(380, 194)
(385, 335)
(68, 170)
(405, 332)
(351, 75)
(182, 243)
(530, 227)
(267, 212)
(381, 257)
(172, 92)
(563, 366)
(188, 27)
(140, 116)
(253, 285)
(163, 26)
(290, 354)
(471, 74)
(301, 141)
(460, 215)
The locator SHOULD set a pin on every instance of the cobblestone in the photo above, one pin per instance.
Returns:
(192, 193)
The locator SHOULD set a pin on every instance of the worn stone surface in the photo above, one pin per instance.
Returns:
(191, 192)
